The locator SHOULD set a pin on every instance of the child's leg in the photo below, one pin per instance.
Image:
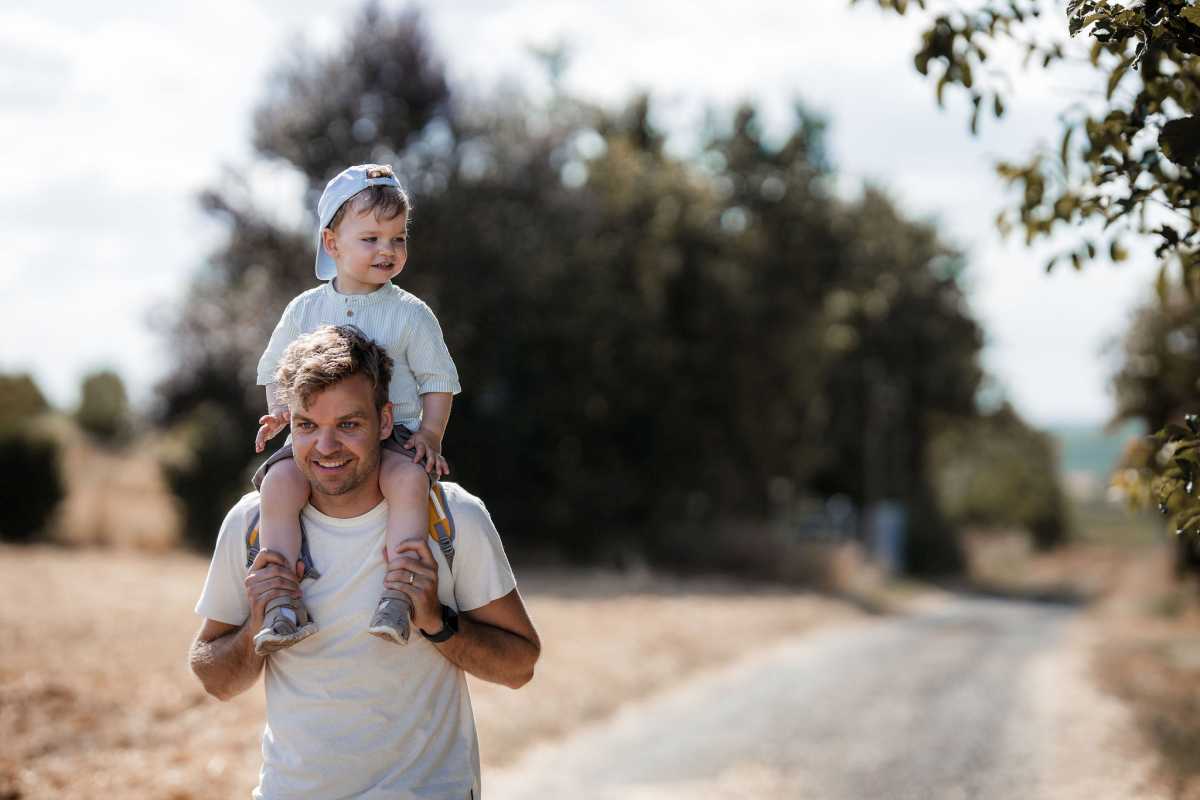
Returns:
(284, 493)
(405, 485)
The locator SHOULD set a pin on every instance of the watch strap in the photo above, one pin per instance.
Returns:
(449, 626)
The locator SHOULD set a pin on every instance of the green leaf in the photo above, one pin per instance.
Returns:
(997, 106)
(1065, 151)
(1160, 285)
(1192, 15)
(1116, 252)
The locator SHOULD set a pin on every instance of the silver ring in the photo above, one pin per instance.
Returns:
(411, 577)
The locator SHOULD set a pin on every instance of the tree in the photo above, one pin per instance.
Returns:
(644, 338)
(996, 471)
(104, 408)
(1128, 166)
(20, 399)
(29, 461)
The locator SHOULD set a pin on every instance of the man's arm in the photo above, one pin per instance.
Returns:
(222, 655)
(495, 642)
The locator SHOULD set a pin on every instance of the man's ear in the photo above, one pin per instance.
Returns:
(385, 421)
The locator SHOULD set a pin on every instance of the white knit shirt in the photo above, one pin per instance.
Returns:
(398, 321)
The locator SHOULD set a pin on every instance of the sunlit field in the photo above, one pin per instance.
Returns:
(96, 699)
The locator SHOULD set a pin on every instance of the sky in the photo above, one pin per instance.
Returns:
(116, 115)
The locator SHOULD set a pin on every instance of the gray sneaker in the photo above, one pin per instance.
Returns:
(278, 631)
(390, 620)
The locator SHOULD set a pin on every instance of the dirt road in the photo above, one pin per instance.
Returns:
(977, 698)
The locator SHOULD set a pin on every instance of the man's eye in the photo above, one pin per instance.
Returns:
(368, 238)
(349, 425)
(305, 426)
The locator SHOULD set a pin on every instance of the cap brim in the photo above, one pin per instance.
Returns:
(326, 268)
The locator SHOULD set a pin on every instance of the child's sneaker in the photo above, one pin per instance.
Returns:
(278, 630)
(390, 620)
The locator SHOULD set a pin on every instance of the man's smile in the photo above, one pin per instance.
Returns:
(330, 464)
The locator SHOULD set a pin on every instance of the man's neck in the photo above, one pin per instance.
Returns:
(349, 505)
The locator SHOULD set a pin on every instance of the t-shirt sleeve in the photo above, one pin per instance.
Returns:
(481, 569)
(284, 334)
(428, 357)
(224, 595)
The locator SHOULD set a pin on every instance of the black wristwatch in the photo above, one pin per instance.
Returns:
(449, 625)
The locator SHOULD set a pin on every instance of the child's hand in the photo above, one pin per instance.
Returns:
(427, 448)
(269, 425)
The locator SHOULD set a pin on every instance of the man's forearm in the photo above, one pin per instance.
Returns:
(490, 653)
(227, 665)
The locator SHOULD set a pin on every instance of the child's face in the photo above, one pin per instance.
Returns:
(368, 251)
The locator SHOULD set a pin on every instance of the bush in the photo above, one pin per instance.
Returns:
(31, 485)
(997, 471)
(104, 408)
(20, 399)
(207, 472)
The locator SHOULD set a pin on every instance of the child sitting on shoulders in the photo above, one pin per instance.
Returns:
(362, 243)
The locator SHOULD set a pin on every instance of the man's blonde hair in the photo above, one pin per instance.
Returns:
(328, 355)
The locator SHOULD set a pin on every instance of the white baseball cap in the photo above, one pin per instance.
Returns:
(345, 185)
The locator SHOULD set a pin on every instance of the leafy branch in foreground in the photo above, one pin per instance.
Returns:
(1128, 162)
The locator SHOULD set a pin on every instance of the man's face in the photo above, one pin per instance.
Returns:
(335, 441)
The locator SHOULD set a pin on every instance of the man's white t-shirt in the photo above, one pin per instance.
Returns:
(349, 714)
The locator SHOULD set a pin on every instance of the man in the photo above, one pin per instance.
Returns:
(349, 715)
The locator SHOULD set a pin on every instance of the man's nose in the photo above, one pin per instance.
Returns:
(327, 440)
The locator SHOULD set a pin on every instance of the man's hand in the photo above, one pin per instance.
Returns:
(427, 446)
(412, 570)
(269, 426)
(269, 578)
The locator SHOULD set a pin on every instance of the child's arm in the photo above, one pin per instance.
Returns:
(426, 443)
(276, 419)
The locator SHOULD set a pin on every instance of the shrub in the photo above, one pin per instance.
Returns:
(104, 407)
(31, 485)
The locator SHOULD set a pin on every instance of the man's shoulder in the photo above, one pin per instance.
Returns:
(469, 514)
(459, 499)
(242, 514)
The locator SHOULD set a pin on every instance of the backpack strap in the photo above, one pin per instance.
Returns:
(253, 545)
(441, 522)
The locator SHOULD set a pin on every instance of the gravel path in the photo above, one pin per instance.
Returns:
(967, 700)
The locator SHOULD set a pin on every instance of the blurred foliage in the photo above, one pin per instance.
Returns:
(996, 471)
(20, 399)
(205, 466)
(647, 341)
(1156, 381)
(31, 484)
(104, 408)
(1129, 164)
(1128, 167)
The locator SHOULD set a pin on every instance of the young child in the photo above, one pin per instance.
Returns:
(362, 243)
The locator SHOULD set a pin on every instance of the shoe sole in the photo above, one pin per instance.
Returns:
(389, 633)
(266, 642)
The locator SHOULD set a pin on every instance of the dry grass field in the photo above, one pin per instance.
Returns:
(105, 707)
